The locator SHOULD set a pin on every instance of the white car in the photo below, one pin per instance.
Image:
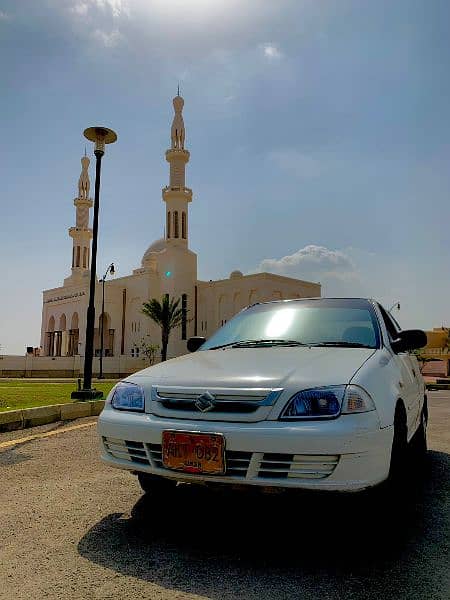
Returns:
(315, 393)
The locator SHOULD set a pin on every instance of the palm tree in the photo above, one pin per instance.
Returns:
(167, 315)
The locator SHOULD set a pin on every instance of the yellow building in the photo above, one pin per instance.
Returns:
(438, 337)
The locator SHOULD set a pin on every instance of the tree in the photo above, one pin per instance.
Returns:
(148, 349)
(423, 360)
(167, 315)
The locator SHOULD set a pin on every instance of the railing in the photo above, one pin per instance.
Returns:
(178, 188)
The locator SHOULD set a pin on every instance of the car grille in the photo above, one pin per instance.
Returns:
(231, 401)
(239, 465)
(297, 466)
(125, 450)
(229, 407)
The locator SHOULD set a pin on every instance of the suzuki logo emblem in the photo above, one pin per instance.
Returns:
(205, 402)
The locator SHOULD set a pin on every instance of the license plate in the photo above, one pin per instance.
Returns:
(193, 452)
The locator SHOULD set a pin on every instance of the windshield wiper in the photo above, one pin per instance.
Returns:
(269, 343)
(261, 343)
(222, 346)
(342, 345)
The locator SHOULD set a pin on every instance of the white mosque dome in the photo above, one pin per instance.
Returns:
(154, 248)
(236, 274)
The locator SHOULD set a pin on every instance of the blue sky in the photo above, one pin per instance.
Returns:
(319, 134)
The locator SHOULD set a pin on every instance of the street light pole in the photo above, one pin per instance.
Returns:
(101, 136)
(110, 269)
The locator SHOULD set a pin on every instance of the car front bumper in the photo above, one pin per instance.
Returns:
(343, 454)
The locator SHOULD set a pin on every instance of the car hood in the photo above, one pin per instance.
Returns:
(285, 367)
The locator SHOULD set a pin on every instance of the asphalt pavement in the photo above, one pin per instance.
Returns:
(74, 528)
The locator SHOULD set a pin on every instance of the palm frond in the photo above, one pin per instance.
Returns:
(166, 314)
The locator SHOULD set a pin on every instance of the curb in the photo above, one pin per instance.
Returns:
(438, 386)
(11, 420)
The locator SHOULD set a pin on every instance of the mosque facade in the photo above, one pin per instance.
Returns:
(168, 266)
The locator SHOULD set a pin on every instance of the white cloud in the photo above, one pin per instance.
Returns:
(80, 9)
(109, 40)
(4, 16)
(271, 51)
(290, 159)
(334, 269)
(311, 258)
(116, 8)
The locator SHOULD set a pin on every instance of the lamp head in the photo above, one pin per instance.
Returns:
(111, 269)
(100, 136)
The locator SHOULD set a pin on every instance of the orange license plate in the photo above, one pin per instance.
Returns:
(193, 452)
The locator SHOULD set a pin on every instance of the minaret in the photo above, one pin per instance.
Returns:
(176, 195)
(81, 233)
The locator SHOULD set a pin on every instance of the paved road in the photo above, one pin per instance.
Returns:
(72, 528)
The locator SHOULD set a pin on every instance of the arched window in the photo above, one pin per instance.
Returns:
(252, 297)
(175, 224)
(51, 324)
(74, 321)
(236, 302)
(168, 224)
(85, 258)
(50, 341)
(222, 308)
(77, 264)
(73, 256)
(183, 225)
(103, 320)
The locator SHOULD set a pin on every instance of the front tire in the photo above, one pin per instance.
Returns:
(419, 441)
(155, 485)
(397, 470)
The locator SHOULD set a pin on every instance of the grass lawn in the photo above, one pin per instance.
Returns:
(20, 393)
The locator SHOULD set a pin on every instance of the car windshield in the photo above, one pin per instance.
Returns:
(338, 323)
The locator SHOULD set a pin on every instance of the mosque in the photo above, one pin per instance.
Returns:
(168, 266)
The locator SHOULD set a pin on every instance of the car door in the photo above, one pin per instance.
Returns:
(408, 377)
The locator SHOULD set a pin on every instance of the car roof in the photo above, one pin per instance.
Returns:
(351, 300)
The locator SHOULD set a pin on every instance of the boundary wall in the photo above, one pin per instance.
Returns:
(114, 367)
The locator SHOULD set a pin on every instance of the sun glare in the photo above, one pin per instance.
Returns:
(280, 323)
(189, 10)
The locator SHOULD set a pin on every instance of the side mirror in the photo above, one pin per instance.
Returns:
(195, 342)
(410, 339)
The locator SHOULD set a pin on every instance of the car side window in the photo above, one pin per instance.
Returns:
(392, 329)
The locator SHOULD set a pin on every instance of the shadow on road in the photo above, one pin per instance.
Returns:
(14, 456)
(229, 545)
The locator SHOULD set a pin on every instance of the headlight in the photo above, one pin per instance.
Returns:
(128, 396)
(315, 403)
(327, 402)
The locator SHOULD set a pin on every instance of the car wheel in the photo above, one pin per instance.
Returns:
(420, 437)
(399, 446)
(155, 485)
